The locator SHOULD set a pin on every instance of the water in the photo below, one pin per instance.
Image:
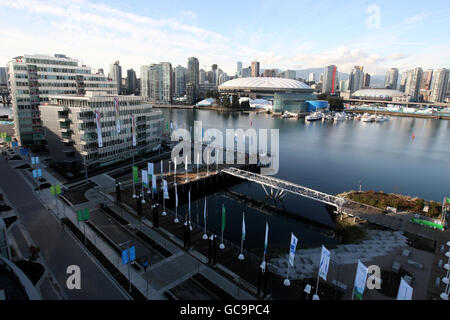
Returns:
(333, 158)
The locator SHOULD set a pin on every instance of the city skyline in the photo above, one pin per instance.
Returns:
(139, 34)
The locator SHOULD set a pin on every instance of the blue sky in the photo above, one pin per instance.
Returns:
(281, 34)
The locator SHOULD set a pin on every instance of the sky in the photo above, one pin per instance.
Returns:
(282, 34)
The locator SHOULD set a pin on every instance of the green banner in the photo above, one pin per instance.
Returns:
(448, 200)
(223, 217)
(8, 139)
(135, 174)
(55, 190)
(83, 214)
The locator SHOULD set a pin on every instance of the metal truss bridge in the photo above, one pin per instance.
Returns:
(282, 187)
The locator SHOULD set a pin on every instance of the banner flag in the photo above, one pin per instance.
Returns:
(133, 129)
(34, 173)
(293, 248)
(243, 226)
(154, 183)
(135, 174)
(52, 190)
(165, 190)
(58, 189)
(405, 291)
(176, 197)
(266, 238)
(39, 172)
(360, 280)
(99, 129)
(324, 263)
(189, 202)
(223, 217)
(116, 107)
(144, 174)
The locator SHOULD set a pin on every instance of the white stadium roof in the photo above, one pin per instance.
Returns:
(264, 83)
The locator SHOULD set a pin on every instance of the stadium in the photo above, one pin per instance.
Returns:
(285, 94)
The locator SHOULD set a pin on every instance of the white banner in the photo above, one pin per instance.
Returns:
(145, 178)
(154, 183)
(176, 197)
(99, 129)
(360, 280)
(165, 190)
(324, 263)
(405, 291)
(292, 249)
(133, 129)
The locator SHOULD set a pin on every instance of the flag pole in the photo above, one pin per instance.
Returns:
(222, 246)
(176, 205)
(316, 296)
(286, 281)
(241, 255)
(205, 236)
(175, 171)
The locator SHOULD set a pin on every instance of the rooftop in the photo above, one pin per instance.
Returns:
(266, 83)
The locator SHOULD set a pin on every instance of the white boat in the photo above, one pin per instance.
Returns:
(328, 117)
(284, 116)
(339, 116)
(358, 117)
(379, 118)
(314, 116)
(367, 118)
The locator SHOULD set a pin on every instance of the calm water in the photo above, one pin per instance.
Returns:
(330, 157)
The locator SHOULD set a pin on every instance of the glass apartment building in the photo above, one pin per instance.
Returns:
(33, 78)
(71, 129)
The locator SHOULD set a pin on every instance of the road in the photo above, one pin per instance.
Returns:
(57, 247)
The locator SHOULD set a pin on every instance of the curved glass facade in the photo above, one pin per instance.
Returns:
(292, 102)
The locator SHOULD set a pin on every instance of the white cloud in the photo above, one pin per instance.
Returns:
(100, 34)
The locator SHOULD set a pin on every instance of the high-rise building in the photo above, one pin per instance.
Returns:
(356, 79)
(239, 69)
(34, 77)
(312, 77)
(145, 82)
(247, 72)
(288, 74)
(425, 84)
(161, 82)
(180, 81)
(255, 69)
(404, 80)
(343, 85)
(413, 83)
(269, 73)
(440, 85)
(202, 76)
(131, 81)
(330, 79)
(366, 81)
(115, 73)
(192, 80)
(3, 77)
(391, 79)
(71, 120)
(223, 78)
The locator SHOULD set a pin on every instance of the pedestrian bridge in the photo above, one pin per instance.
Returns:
(282, 187)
